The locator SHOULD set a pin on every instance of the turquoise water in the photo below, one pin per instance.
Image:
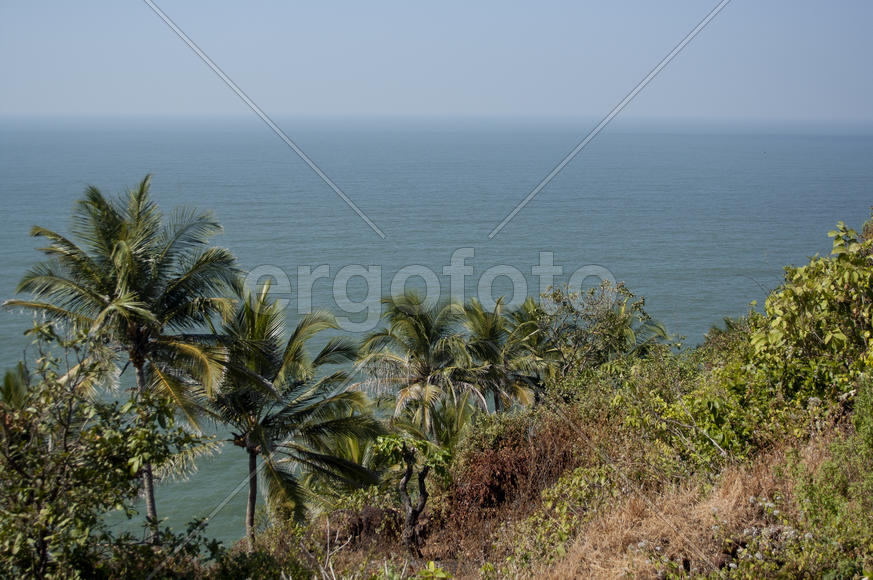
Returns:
(699, 220)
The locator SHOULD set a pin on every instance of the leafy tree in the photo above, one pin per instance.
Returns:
(410, 454)
(147, 285)
(819, 322)
(587, 330)
(67, 458)
(540, 343)
(417, 456)
(280, 409)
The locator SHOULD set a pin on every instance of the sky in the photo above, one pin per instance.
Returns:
(774, 59)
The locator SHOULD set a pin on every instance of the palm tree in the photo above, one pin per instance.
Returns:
(502, 349)
(531, 315)
(279, 410)
(146, 285)
(326, 494)
(452, 419)
(636, 333)
(421, 354)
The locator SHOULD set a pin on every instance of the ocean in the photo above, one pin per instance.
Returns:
(698, 218)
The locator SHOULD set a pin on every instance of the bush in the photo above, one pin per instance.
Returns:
(836, 500)
(509, 458)
(825, 527)
(66, 458)
(819, 322)
(542, 537)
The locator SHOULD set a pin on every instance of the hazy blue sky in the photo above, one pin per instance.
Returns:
(758, 59)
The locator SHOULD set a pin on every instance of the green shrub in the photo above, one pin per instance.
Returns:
(566, 507)
(69, 457)
(819, 322)
(259, 564)
(827, 532)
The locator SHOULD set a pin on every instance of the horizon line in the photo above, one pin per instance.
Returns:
(424, 115)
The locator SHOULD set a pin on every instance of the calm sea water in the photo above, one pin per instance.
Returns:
(698, 220)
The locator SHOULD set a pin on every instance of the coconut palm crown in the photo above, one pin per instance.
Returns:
(282, 410)
(147, 284)
(421, 354)
(502, 347)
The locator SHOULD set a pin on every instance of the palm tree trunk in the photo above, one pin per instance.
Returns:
(253, 499)
(148, 480)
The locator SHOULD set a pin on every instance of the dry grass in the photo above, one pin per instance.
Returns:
(696, 529)
(697, 526)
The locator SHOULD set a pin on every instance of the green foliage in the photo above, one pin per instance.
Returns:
(284, 410)
(378, 496)
(836, 498)
(259, 564)
(668, 400)
(148, 285)
(432, 572)
(67, 458)
(248, 565)
(566, 506)
(493, 431)
(420, 357)
(395, 447)
(583, 331)
(15, 384)
(819, 322)
(718, 404)
(505, 360)
(614, 408)
(146, 282)
(285, 548)
(829, 534)
(167, 556)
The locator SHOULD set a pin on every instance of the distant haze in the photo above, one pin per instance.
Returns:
(775, 60)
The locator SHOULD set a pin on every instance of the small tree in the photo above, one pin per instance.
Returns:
(417, 456)
(820, 321)
(589, 329)
(67, 458)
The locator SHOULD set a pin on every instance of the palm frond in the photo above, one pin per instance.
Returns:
(75, 319)
(186, 397)
(16, 383)
(285, 496)
(183, 464)
(338, 350)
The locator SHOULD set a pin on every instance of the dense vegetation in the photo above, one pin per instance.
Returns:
(570, 437)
